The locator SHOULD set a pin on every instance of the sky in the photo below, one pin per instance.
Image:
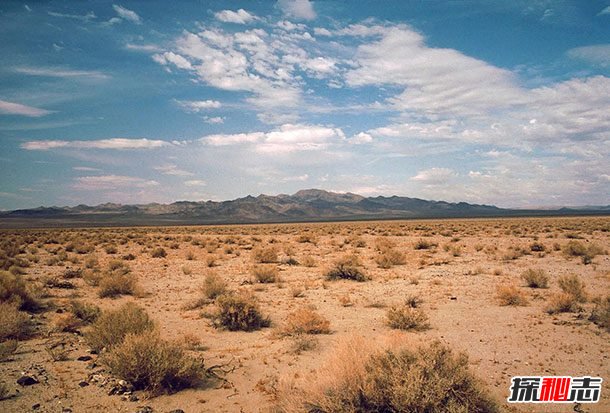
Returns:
(482, 101)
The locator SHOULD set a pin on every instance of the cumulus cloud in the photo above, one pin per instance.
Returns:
(300, 9)
(106, 182)
(114, 143)
(11, 108)
(198, 105)
(239, 17)
(598, 55)
(127, 14)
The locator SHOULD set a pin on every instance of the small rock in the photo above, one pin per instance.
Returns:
(36, 406)
(26, 381)
(83, 384)
(177, 411)
(84, 358)
(133, 398)
(145, 409)
(66, 410)
(453, 297)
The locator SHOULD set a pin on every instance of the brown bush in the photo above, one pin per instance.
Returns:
(510, 295)
(158, 252)
(347, 268)
(213, 285)
(305, 321)
(115, 284)
(407, 317)
(265, 273)
(14, 324)
(265, 255)
(601, 313)
(361, 378)
(562, 303)
(389, 257)
(112, 326)
(536, 278)
(151, 363)
(574, 286)
(239, 311)
(14, 290)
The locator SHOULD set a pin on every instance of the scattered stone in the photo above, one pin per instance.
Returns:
(83, 384)
(453, 297)
(145, 409)
(177, 411)
(66, 410)
(26, 381)
(84, 358)
(36, 406)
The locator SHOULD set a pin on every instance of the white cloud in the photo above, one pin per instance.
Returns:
(298, 178)
(434, 176)
(361, 138)
(151, 48)
(87, 17)
(28, 8)
(114, 143)
(596, 54)
(170, 57)
(61, 72)
(104, 182)
(199, 105)
(127, 14)
(287, 138)
(195, 182)
(300, 9)
(11, 108)
(214, 120)
(85, 168)
(172, 170)
(239, 17)
(604, 11)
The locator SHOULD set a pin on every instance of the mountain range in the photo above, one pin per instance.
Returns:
(308, 205)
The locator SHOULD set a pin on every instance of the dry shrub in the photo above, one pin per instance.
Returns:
(66, 322)
(407, 317)
(14, 324)
(5, 391)
(265, 273)
(308, 261)
(562, 303)
(115, 284)
(366, 379)
(87, 313)
(14, 290)
(536, 278)
(265, 255)
(112, 326)
(424, 245)
(347, 268)
(389, 257)
(239, 311)
(574, 286)
(510, 295)
(150, 363)
(7, 349)
(601, 313)
(305, 321)
(158, 252)
(210, 260)
(586, 252)
(213, 285)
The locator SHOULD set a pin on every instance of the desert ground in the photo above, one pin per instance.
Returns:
(527, 296)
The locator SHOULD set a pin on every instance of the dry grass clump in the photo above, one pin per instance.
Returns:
(362, 378)
(305, 321)
(422, 244)
(389, 257)
(265, 273)
(347, 268)
(112, 326)
(601, 313)
(86, 313)
(510, 295)
(14, 290)
(115, 284)
(150, 363)
(536, 278)
(562, 303)
(7, 349)
(407, 317)
(158, 252)
(14, 324)
(585, 252)
(265, 255)
(574, 286)
(213, 285)
(308, 261)
(239, 311)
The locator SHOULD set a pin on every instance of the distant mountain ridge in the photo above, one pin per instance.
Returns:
(304, 205)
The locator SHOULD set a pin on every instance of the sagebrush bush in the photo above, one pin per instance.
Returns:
(115, 284)
(601, 313)
(305, 321)
(265, 273)
(358, 378)
(213, 285)
(14, 324)
(536, 278)
(158, 252)
(265, 255)
(347, 268)
(574, 286)
(14, 290)
(112, 326)
(562, 303)
(389, 257)
(87, 313)
(586, 252)
(511, 295)
(424, 245)
(8, 348)
(150, 363)
(239, 311)
(407, 317)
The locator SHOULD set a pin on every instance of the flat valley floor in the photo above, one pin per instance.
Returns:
(463, 274)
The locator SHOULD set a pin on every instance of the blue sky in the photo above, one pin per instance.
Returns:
(504, 103)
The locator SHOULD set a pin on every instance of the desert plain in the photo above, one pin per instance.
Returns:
(526, 296)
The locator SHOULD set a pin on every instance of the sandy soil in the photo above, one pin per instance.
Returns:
(457, 281)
